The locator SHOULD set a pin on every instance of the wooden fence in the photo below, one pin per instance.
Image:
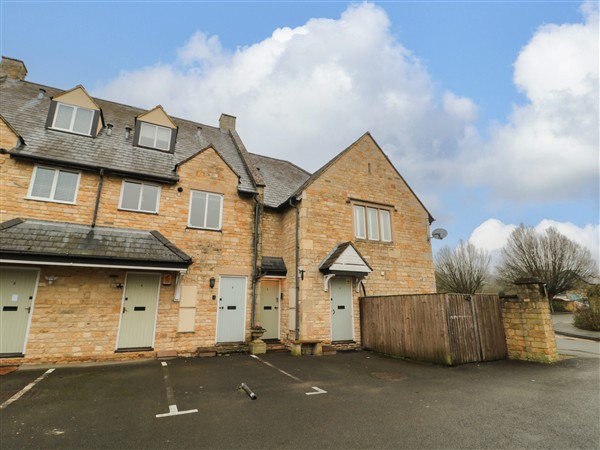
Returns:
(442, 328)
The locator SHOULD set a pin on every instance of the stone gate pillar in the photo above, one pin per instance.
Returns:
(528, 324)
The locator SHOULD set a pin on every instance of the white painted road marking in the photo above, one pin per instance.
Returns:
(276, 368)
(173, 411)
(318, 391)
(26, 389)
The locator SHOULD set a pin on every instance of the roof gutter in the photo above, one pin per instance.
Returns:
(59, 162)
(106, 266)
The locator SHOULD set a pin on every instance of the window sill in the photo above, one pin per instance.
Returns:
(152, 213)
(203, 229)
(370, 241)
(60, 130)
(49, 200)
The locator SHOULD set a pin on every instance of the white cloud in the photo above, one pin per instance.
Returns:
(306, 93)
(492, 235)
(549, 149)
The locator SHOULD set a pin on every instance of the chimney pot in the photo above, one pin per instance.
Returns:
(109, 128)
(41, 94)
(13, 68)
(227, 122)
(127, 132)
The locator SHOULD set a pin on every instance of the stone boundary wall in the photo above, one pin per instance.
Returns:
(528, 324)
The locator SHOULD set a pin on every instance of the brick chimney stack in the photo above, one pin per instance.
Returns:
(13, 68)
(227, 122)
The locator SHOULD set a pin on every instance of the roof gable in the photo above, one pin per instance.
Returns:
(345, 259)
(77, 96)
(204, 150)
(328, 165)
(157, 116)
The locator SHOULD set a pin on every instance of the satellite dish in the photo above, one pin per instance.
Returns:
(439, 233)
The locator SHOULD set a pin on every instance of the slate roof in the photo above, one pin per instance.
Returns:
(273, 265)
(66, 242)
(27, 115)
(282, 179)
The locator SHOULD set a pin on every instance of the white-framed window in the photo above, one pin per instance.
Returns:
(56, 185)
(137, 196)
(154, 136)
(73, 118)
(372, 223)
(206, 210)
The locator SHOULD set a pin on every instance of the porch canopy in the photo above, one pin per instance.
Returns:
(67, 244)
(272, 266)
(344, 260)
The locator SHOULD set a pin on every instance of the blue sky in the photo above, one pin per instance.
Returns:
(488, 109)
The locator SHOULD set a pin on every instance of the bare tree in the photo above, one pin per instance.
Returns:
(463, 270)
(549, 257)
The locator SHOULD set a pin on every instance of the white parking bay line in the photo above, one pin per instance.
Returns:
(173, 411)
(26, 389)
(316, 389)
(276, 368)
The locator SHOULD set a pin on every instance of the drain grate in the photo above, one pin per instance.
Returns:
(389, 376)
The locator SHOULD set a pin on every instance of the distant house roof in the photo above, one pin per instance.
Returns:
(66, 243)
(27, 114)
(272, 265)
(281, 178)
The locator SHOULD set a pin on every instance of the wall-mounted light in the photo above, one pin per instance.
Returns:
(51, 279)
(212, 282)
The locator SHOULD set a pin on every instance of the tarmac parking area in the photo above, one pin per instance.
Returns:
(350, 400)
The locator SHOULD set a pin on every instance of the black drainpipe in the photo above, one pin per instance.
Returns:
(297, 328)
(254, 256)
(98, 198)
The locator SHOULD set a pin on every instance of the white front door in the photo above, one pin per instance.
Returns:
(17, 291)
(269, 308)
(138, 311)
(342, 320)
(231, 312)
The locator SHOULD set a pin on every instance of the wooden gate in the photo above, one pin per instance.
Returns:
(443, 328)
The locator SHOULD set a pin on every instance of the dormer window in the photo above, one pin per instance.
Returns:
(75, 112)
(73, 119)
(155, 129)
(155, 136)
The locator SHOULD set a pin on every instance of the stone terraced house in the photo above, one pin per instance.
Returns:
(128, 233)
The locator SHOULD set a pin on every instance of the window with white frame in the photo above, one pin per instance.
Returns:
(54, 185)
(73, 118)
(154, 136)
(206, 210)
(372, 223)
(142, 197)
